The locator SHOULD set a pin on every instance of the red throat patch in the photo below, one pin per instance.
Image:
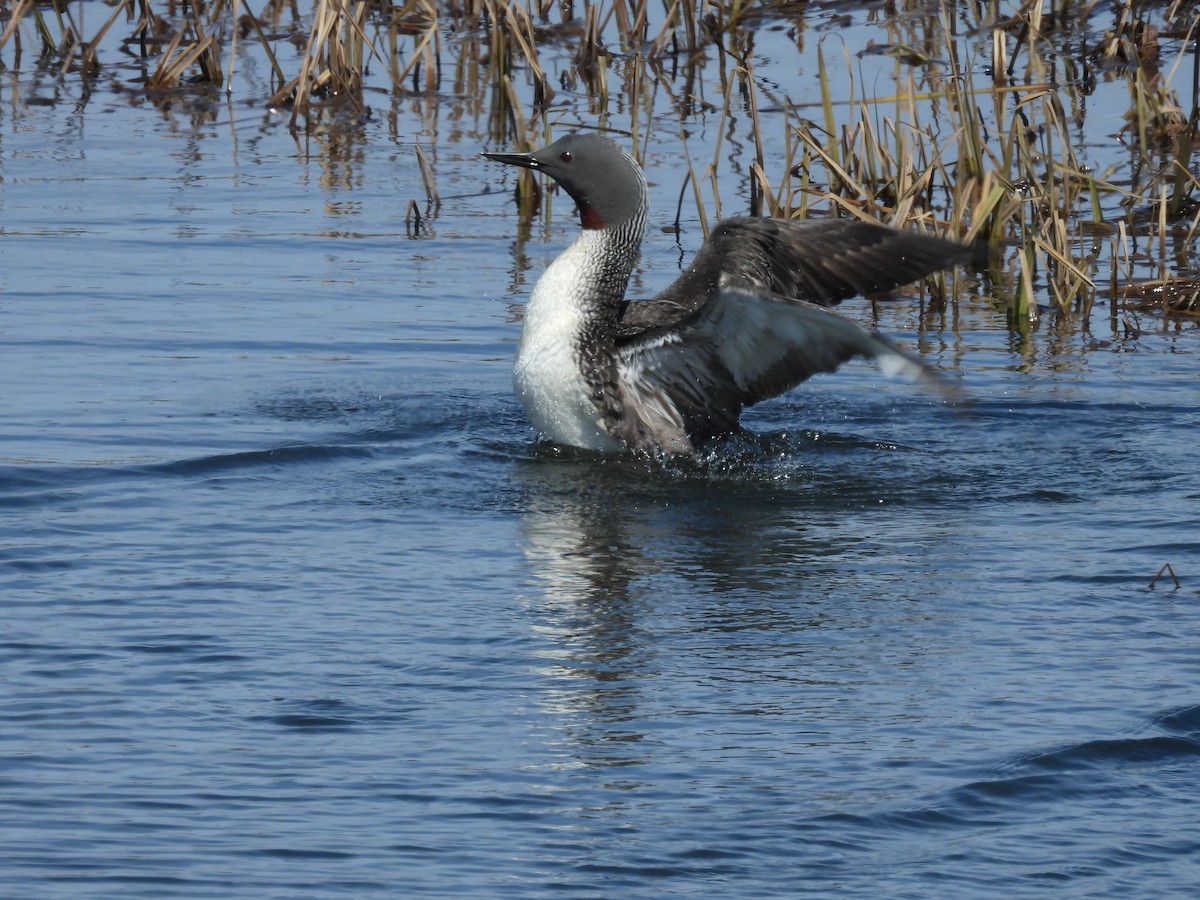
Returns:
(589, 218)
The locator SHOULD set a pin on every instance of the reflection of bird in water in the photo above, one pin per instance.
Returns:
(745, 322)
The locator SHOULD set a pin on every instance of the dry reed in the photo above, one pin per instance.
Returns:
(997, 159)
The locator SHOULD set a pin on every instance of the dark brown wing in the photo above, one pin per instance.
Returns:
(743, 346)
(821, 261)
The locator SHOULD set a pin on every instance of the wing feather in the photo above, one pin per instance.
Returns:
(821, 261)
(749, 319)
(744, 346)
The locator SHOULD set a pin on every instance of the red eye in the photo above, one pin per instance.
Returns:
(565, 157)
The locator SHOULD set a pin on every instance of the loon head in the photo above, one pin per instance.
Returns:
(605, 182)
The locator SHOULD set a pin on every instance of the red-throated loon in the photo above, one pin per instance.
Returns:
(745, 322)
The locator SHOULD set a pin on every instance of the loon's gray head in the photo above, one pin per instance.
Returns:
(603, 180)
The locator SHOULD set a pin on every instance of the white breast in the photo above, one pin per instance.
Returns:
(547, 377)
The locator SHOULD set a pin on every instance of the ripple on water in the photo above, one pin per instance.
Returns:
(295, 606)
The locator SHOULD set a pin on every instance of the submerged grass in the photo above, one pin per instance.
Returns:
(978, 130)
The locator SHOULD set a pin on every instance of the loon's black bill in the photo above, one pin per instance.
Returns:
(524, 160)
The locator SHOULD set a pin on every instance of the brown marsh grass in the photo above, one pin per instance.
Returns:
(978, 132)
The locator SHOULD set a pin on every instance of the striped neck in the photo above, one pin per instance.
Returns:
(602, 267)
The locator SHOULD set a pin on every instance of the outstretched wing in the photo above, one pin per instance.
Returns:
(742, 346)
(820, 261)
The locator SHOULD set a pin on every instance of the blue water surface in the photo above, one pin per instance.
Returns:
(295, 606)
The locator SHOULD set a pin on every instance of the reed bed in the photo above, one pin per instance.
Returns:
(962, 120)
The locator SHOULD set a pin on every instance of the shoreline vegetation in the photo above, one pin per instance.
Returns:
(978, 135)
